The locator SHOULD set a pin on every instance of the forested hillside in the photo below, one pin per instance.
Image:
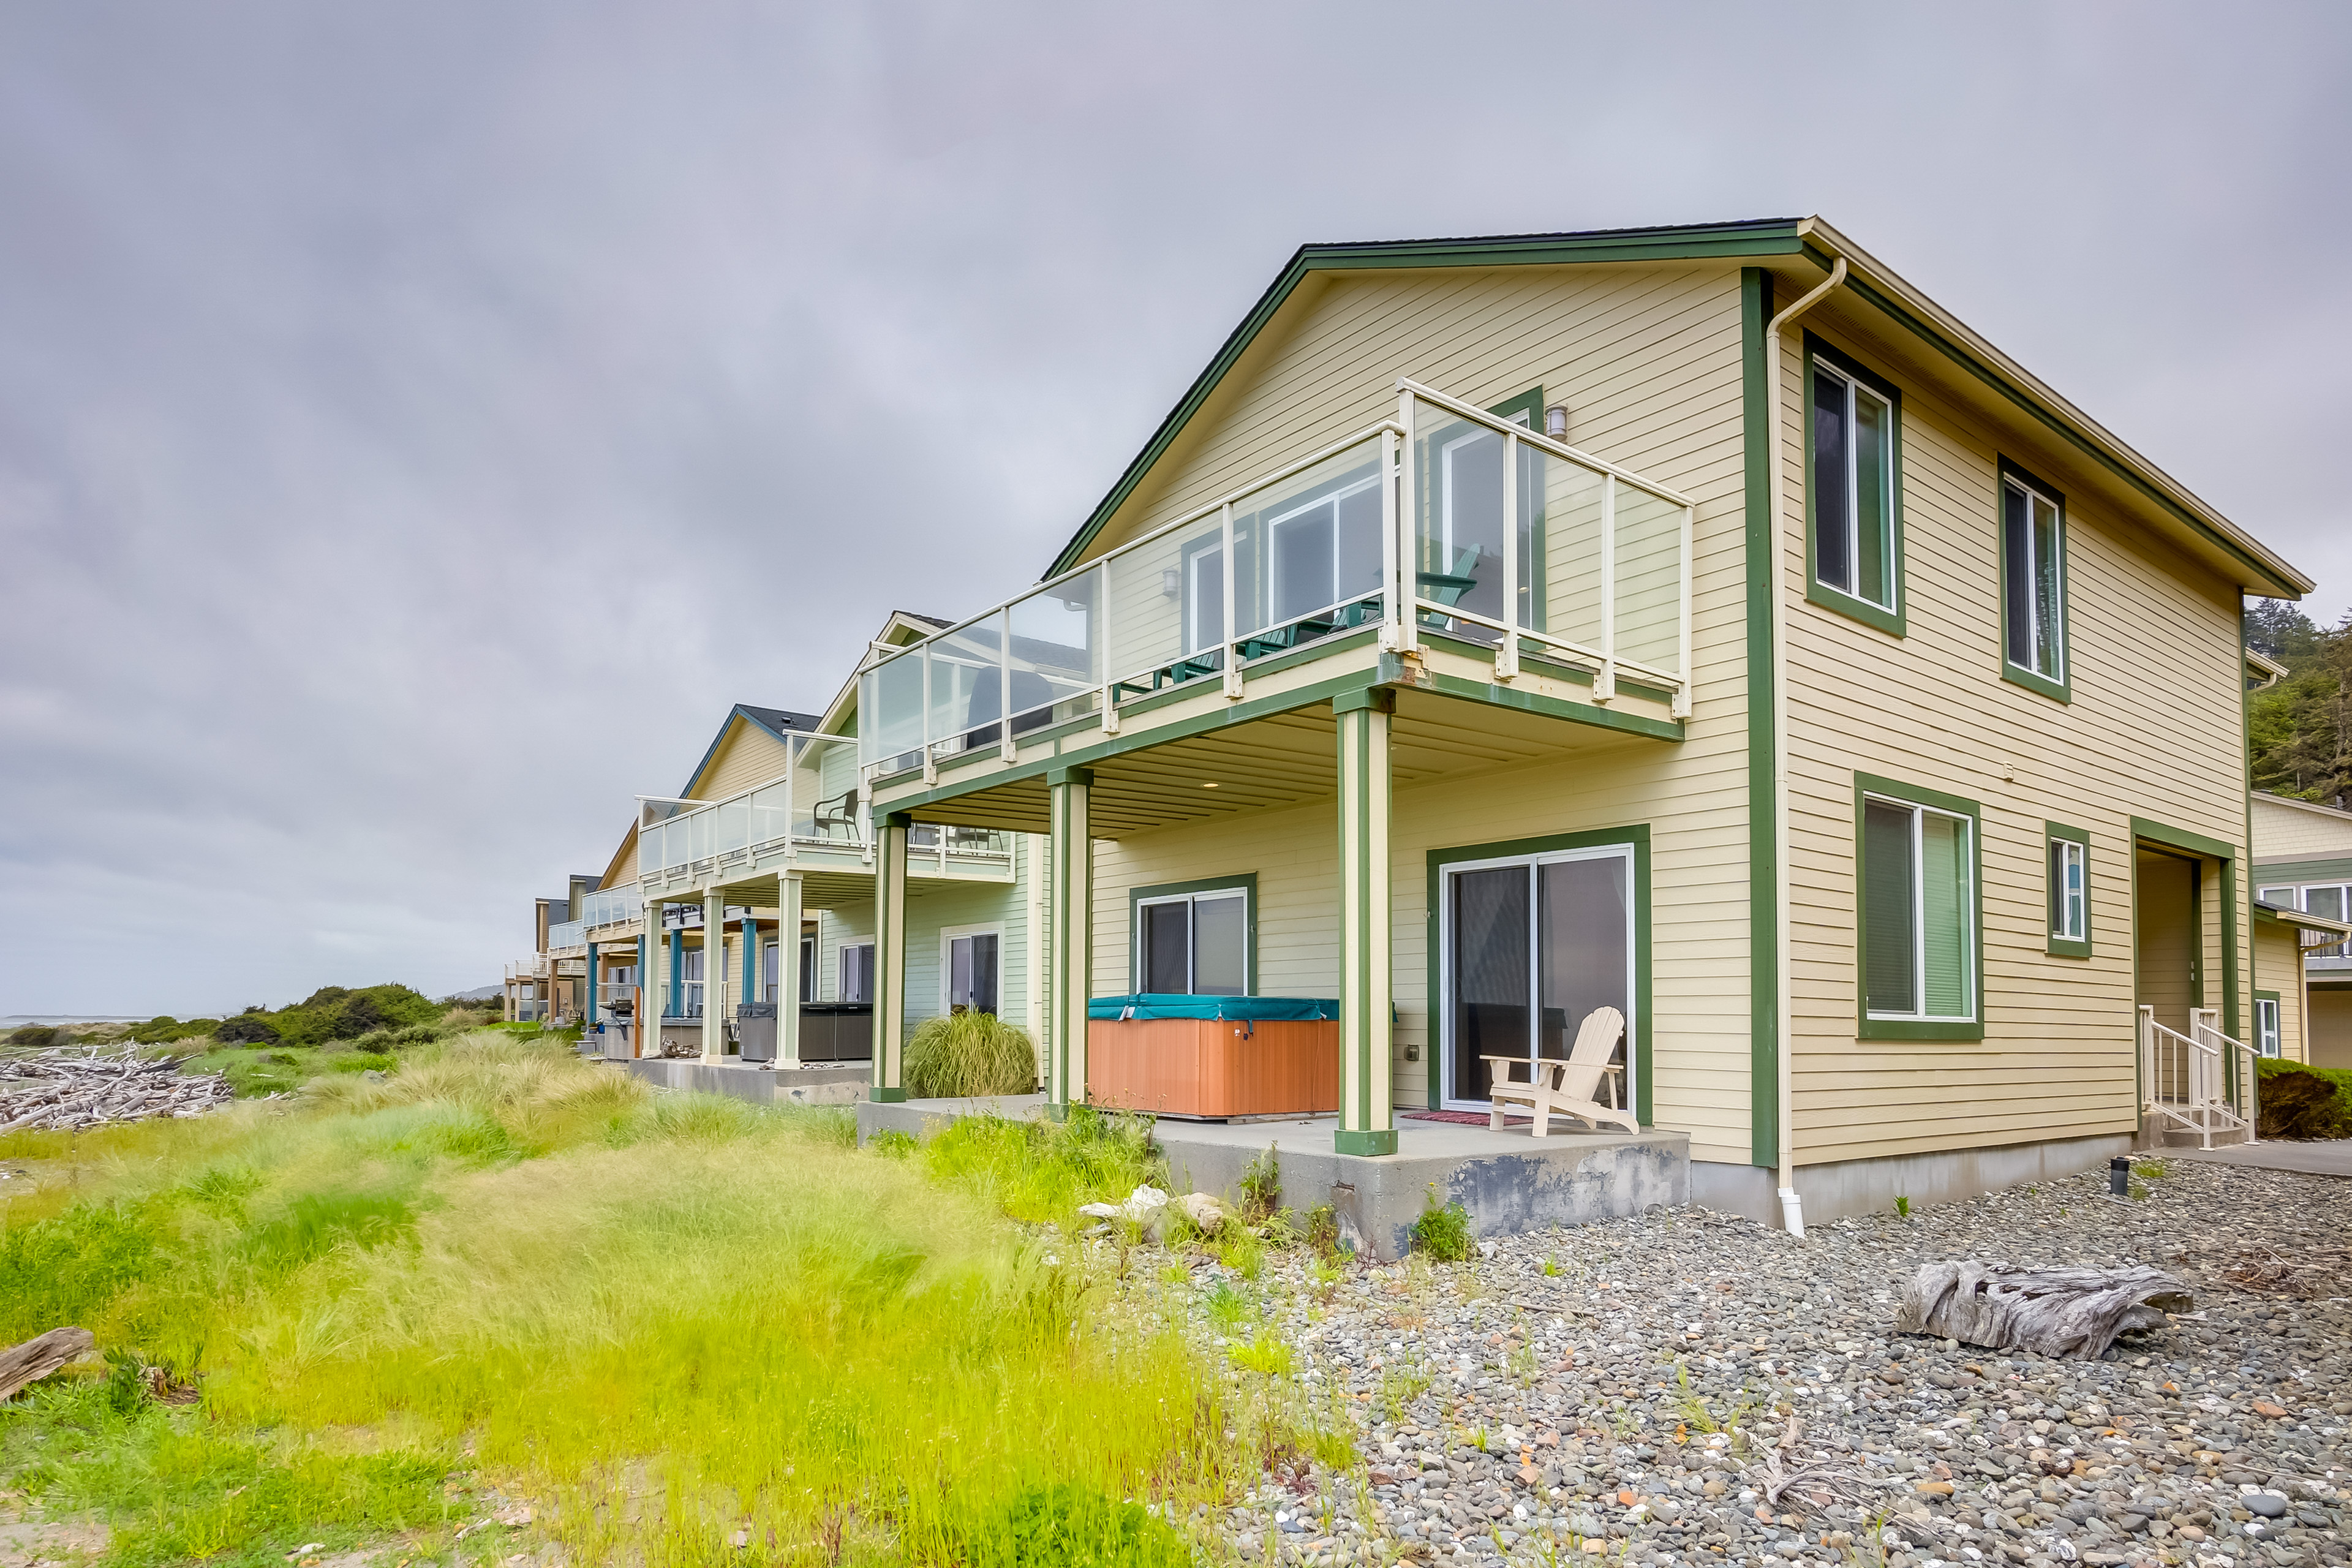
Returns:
(2300, 740)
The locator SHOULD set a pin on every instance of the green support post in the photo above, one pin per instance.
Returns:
(1071, 943)
(1367, 1116)
(889, 958)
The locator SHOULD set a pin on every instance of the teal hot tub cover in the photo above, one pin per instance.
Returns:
(1236, 1009)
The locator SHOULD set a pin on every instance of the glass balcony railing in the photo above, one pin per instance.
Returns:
(1447, 521)
(793, 812)
(570, 933)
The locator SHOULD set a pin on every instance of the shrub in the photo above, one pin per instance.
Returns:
(39, 1036)
(968, 1054)
(246, 1029)
(1443, 1234)
(1071, 1526)
(2299, 1102)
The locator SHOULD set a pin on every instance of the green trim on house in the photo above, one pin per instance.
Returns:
(2010, 391)
(1694, 242)
(1367, 945)
(889, 1083)
(2064, 947)
(1893, 622)
(2057, 690)
(1529, 403)
(1763, 868)
(2227, 854)
(2273, 873)
(1070, 902)
(1245, 880)
(1866, 1027)
(1635, 834)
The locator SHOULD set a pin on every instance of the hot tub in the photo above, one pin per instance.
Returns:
(1214, 1057)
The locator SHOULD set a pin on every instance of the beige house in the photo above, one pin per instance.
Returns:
(2303, 866)
(1697, 622)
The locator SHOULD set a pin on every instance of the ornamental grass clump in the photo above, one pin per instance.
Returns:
(961, 1055)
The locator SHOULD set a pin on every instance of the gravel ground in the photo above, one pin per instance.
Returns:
(1690, 1387)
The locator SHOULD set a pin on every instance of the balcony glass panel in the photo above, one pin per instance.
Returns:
(570, 933)
(697, 839)
(1308, 552)
(1166, 599)
(1649, 579)
(1057, 655)
(1458, 524)
(1565, 599)
(768, 818)
(890, 712)
(964, 681)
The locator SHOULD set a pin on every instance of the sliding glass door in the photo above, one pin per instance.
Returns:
(1532, 945)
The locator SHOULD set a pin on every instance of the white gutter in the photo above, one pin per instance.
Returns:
(1792, 1211)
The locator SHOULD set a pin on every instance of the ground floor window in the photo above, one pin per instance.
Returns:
(858, 972)
(1531, 944)
(1917, 897)
(1193, 941)
(969, 965)
(2069, 891)
(2266, 1024)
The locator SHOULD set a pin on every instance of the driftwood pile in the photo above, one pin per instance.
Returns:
(2069, 1312)
(58, 1091)
(36, 1358)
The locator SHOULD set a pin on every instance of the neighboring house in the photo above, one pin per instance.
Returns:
(2303, 862)
(766, 843)
(548, 990)
(1697, 622)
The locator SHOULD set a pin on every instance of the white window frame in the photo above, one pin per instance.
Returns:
(947, 938)
(2268, 1035)
(1194, 599)
(1191, 946)
(1969, 900)
(2033, 599)
(841, 971)
(2302, 901)
(1444, 1031)
(2075, 897)
(1329, 502)
(1855, 390)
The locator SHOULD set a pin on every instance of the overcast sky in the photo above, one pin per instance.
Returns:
(419, 421)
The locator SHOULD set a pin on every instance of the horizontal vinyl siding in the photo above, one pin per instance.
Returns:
(2289, 832)
(2153, 730)
(2278, 967)
(1647, 362)
(748, 757)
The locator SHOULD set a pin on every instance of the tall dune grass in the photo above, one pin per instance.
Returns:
(673, 1320)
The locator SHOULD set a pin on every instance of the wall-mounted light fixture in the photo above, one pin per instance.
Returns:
(1555, 422)
(1171, 581)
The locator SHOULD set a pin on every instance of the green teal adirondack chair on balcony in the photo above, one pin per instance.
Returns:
(1447, 587)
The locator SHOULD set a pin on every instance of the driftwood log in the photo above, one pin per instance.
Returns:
(36, 1358)
(63, 1090)
(2070, 1312)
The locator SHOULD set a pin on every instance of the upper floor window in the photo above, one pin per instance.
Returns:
(1856, 539)
(2330, 901)
(2033, 583)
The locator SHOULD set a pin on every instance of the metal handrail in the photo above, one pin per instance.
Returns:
(2199, 1078)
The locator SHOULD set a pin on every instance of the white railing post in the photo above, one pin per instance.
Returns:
(1103, 649)
(1681, 700)
(930, 763)
(793, 756)
(1233, 648)
(1507, 652)
(1604, 684)
(1408, 580)
(1390, 606)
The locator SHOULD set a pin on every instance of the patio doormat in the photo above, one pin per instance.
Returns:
(1460, 1118)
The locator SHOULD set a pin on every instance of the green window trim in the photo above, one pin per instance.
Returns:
(2159, 833)
(1638, 835)
(1894, 621)
(1245, 880)
(2059, 946)
(2275, 1049)
(1866, 1027)
(2062, 689)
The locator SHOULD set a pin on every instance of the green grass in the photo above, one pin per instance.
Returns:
(662, 1319)
(255, 1071)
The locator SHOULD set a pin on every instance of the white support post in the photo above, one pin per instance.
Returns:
(1034, 945)
(1682, 701)
(1507, 652)
(1233, 648)
(788, 972)
(714, 975)
(1408, 554)
(1604, 683)
(1392, 602)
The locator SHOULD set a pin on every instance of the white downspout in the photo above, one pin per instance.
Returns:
(1792, 1212)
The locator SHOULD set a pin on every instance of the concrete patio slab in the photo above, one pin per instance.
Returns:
(2321, 1159)
(821, 1084)
(1509, 1182)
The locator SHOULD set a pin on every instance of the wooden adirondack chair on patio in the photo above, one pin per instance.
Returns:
(1565, 1088)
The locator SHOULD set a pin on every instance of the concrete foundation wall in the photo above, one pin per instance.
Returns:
(809, 1086)
(1871, 1187)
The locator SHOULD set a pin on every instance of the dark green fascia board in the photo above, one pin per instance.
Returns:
(2227, 854)
(2032, 680)
(1246, 880)
(1689, 242)
(1895, 310)
(1866, 1027)
(1638, 835)
(1762, 568)
(1894, 622)
(2060, 947)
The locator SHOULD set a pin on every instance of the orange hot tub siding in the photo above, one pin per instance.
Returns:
(1200, 1067)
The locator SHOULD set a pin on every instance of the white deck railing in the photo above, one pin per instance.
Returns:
(1445, 519)
(2203, 1082)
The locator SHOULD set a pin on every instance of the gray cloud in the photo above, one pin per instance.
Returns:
(416, 423)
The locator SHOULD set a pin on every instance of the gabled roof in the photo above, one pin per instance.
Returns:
(1805, 240)
(776, 721)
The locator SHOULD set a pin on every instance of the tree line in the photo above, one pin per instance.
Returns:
(2298, 737)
